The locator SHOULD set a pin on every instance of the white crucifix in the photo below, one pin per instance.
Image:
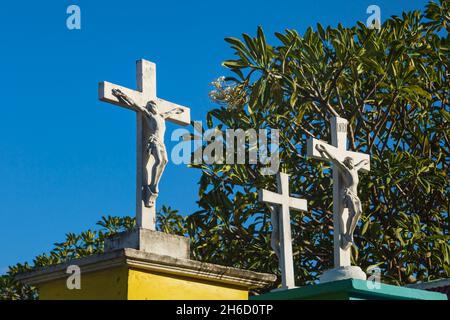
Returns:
(151, 155)
(345, 165)
(280, 203)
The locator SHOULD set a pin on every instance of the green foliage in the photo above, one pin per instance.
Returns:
(393, 87)
(81, 245)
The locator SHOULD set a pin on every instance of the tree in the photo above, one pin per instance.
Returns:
(80, 245)
(393, 86)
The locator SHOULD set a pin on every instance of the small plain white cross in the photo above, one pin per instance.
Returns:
(138, 100)
(280, 203)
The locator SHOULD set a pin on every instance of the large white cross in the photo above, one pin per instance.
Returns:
(282, 200)
(146, 91)
(340, 152)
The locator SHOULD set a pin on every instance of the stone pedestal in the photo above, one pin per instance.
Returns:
(352, 289)
(156, 267)
(342, 273)
(150, 241)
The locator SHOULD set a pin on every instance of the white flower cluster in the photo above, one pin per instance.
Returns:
(223, 92)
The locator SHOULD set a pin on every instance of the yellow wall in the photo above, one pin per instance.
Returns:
(133, 284)
(103, 285)
(144, 285)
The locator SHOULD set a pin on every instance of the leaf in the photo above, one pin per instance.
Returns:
(445, 114)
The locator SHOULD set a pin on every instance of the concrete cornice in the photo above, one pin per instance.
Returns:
(431, 284)
(152, 262)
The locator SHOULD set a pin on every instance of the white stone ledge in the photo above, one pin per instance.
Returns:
(151, 262)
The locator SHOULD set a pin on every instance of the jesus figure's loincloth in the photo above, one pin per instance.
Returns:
(155, 143)
(351, 198)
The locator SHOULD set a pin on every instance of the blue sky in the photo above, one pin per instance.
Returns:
(66, 158)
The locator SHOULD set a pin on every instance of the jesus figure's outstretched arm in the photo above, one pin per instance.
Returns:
(333, 159)
(128, 101)
(167, 114)
(360, 164)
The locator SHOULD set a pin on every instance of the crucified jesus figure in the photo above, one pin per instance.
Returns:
(348, 172)
(156, 125)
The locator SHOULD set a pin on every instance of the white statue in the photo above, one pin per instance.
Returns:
(156, 124)
(349, 191)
